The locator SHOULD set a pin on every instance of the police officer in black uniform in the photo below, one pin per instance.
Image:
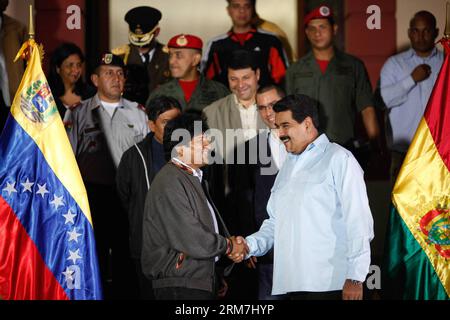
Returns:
(146, 59)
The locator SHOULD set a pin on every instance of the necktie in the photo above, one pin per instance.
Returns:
(146, 58)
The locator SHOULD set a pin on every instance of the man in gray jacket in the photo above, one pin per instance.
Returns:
(183, 233)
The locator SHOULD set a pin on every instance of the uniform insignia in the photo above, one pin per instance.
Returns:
(165, 49)
(324, 11)
(108, 58)
(130, 126)
(138, 30)
(182, 41)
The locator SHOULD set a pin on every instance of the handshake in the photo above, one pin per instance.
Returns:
(239, 250)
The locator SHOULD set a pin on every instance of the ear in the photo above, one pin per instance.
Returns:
(436, 34)
(409, 33)
(309, 123)
(156, 33)
(151, 125)
(197, 58)
(335, 29)
(180, 151)
(258, 74)
(229, 10)
(58, 70)
(94, 79)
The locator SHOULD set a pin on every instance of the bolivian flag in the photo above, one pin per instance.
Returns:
(418, 247)
(47, 246)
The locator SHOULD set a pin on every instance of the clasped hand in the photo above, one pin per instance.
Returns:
(240, 249)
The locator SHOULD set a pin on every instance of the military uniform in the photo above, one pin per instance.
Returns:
(99, 140)
(341, 92)
(207, 92)
(143, 78)
(146, 72)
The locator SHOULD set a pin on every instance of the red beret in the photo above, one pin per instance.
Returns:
(186, 41)
(322, 12)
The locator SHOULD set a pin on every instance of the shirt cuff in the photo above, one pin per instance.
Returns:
(251, 243)
(358, 261)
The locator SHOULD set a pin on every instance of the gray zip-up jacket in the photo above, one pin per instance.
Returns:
(179, 242)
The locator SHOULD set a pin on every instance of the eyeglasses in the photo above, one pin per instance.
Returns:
(268, 107)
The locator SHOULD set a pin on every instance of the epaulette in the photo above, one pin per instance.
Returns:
(122, 51)
(165, 49)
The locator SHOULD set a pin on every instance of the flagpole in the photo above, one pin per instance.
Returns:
(31, 32)
(447, 22)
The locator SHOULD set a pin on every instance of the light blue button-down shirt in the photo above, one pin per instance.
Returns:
(406, 101)
(319, 223)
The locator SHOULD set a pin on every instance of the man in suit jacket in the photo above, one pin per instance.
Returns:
(12, 35)
(135, 173)
(236, 114)
(183, 233)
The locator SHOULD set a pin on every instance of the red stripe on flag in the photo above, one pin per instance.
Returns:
(437, 114)
(23, 273)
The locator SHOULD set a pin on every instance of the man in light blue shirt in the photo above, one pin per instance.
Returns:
(320, 223)
(407, 80)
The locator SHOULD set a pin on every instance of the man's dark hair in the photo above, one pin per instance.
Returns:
(242, 59)
(159, 105)
(301, 107)
(253, 2)
(186, 122)
(281, 93)
(426, 15)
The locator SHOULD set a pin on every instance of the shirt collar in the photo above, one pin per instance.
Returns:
(183, 166)
(96, 102)
(240, 106)
(412, 53)
(320, 143)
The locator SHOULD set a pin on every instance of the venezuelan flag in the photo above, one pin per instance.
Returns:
(47, 246)
(418, 255)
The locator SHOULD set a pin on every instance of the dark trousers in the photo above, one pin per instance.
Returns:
(265, 279)
(328, 295)
(145, 285)
(111, 236)
(178, 293)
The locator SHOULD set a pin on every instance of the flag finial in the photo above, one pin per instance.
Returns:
(31, 32)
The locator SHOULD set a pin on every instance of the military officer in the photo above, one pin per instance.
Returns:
(189, 87)
(146, 59)
(103, 127)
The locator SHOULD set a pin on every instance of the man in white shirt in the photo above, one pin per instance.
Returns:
(407, 80)
(320, 224)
